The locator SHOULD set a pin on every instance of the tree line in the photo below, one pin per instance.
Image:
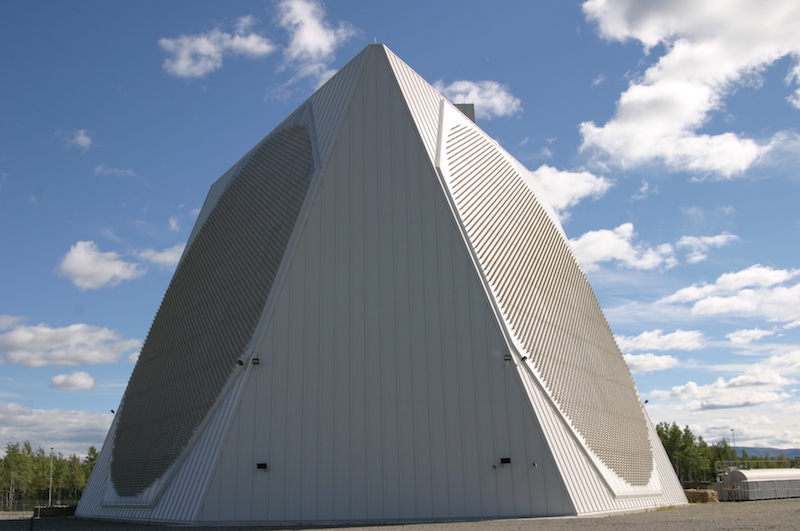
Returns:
(25, 476)
(693, 459)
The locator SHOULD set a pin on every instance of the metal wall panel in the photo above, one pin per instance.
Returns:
(422, 99)
(388, 395)
(546, 300)
(383, 391)
(210, 310)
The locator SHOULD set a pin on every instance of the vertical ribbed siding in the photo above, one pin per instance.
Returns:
(210, 310)
(422, 99)
(548, 302)
(328, 103)
(382, 394)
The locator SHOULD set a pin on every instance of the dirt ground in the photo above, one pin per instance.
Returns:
(779, 515)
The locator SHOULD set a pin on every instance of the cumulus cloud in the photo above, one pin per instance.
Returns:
(658, 340)
(89, 268)
(81, 140)
(565, 189)
(167, 257)
(649, 362)
(711, 49)
(194, 56)
(312, 40)
(74, 381)
(745, 337)
(595, 247)
(757, 291)
(77, 344)
(699, 245)
(77, 430)
(763, 383)
(116, 172)
(491, 99)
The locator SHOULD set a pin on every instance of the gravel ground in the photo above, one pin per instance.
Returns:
(783, 515)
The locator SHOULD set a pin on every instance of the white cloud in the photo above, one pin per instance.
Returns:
(658, 340)
(758, 291)
(649, 362)
(74, 381)
(565, 189)
(711, 49)
(193, 56)
(616, 245)
(699, 245)
(761, 384)
(313, 42)
(117, 172)
(77, 344)
(491, 99)
(81, 140)
(644, 191)
(167, 257)
(8, 321)
(745, 337)
(89, 268)
(66, 431)
(794, 77)
(753, 276)
(174, 224)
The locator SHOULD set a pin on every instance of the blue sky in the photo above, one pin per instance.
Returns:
(665, 133)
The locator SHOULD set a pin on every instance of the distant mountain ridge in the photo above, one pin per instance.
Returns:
(772, 453)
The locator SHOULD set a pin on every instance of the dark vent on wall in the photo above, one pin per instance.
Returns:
(210, 310)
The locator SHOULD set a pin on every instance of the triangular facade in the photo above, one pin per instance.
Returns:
(378, 318)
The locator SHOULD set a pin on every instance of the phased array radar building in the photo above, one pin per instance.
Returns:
(378, 318)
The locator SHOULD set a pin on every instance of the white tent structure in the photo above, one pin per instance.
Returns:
(378, 318)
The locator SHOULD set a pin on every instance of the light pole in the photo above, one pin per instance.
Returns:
(50, 494)
(733, 436)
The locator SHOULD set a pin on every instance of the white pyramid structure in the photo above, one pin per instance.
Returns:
(378, 318)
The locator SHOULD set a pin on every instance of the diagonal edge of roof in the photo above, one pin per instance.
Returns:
(423, 101)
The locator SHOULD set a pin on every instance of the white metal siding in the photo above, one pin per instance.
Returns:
(546, 300)
(383, 391)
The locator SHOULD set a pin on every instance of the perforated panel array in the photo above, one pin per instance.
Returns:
(548, 303)
(210, 310)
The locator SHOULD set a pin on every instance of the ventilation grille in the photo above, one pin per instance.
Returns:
(548, 303)
(210, 310)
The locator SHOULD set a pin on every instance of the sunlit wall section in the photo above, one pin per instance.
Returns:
(547, 302)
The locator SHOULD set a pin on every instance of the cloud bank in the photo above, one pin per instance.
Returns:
(77, 344)
(712, 48)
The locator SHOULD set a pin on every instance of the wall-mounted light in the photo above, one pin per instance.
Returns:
(262, 466)
(256, 361)
(239, 362)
